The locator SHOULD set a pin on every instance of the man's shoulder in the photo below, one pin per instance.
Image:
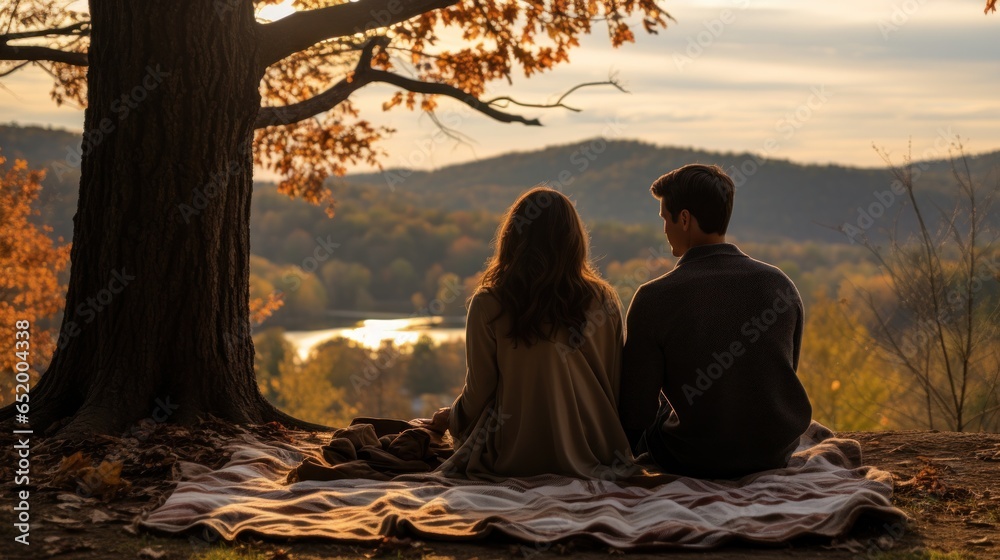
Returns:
(659, 285)
(740, 265)
(767, 270)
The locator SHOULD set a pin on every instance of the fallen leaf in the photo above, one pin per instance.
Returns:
(68, 467)
(103, 481)
(61, 520)
(126, 508)
(98, 516)
(850, 545)
(148, 552)
(67, 547)
(71, 498)
(885, 542)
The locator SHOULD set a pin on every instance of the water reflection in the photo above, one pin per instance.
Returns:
(371, 332)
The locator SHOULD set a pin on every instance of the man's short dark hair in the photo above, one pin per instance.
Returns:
(704, 190)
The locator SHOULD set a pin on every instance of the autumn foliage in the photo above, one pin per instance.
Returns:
(263, 307)
(460, 48)
(500, 38)
(30, 263)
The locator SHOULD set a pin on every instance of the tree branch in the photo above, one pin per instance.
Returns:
(80, 28)
(272, 116)
(35, 54)
(13, 15)
(15, 68)
(289, 114)
(612, 81)
(301, 30)
(449, 91)
(363, 75)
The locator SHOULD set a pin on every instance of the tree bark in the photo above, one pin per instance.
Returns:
(157, 320)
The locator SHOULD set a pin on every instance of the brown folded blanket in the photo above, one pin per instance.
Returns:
(822, 492)
(375, 449)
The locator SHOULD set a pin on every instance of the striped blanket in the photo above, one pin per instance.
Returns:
(822, 492)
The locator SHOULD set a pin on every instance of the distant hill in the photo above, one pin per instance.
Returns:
(608, 180)
(37, 145)
(48, 148)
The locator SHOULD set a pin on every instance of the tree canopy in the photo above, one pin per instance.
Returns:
(308, 128)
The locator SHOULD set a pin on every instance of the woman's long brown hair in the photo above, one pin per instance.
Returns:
(540, 270)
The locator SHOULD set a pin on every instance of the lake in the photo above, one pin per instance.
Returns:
(371, 332)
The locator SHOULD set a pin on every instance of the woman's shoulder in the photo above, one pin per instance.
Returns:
(484, 296)
(607, 297)
(484, 301)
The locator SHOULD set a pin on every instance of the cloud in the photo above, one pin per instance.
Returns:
(894, 70)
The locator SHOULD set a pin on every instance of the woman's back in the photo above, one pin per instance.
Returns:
(547, 407)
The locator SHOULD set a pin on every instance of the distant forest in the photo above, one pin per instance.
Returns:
(413, 243)
(403, 239)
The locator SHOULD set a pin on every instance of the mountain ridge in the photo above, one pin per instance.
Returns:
(608, 180)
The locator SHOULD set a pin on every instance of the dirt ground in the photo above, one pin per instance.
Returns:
(949, 483)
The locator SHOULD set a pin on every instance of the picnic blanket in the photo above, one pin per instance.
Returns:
(354, 495)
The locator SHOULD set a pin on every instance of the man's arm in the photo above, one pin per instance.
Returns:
(642, 370)
(799, 326)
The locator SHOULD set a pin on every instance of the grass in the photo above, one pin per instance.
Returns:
(132, 545)
(922, 555)
(224, 552)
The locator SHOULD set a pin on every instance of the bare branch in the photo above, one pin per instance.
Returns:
(504, 101)
(35, 54)
(15, 68)
(301, 30)
(452, 133)
(13, 15)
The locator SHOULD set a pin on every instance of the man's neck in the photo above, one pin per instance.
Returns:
(707, 239)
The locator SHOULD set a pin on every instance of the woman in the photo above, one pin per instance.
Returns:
(544, 339)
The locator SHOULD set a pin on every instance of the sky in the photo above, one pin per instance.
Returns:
(813, 82)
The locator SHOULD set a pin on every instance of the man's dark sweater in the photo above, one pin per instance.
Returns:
(720, 336)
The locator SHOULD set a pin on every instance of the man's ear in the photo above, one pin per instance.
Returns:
(685, 220)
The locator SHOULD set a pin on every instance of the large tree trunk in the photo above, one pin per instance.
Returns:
(156, 321)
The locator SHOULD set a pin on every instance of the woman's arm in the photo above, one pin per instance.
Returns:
(482, 374)
(614, 308)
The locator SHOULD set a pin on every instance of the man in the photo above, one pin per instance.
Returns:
(716, 341)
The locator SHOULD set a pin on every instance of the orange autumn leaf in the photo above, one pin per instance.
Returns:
(103, 481)
(262, 308)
